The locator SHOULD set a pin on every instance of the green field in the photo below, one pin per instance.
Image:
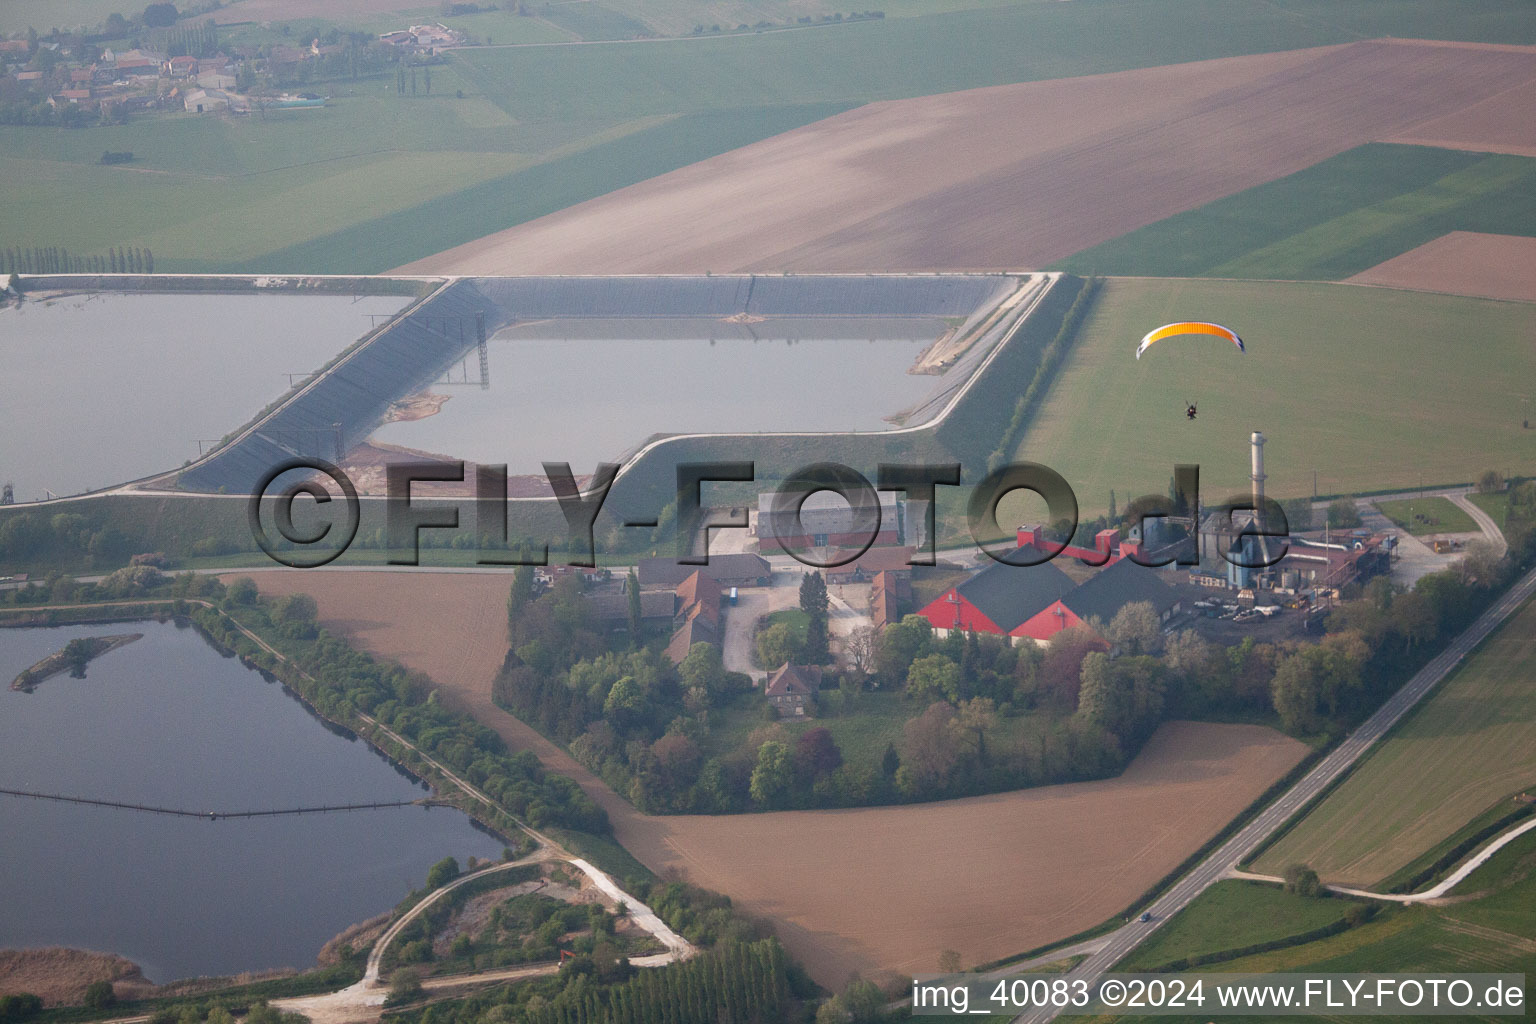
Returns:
(1423, 516)
(1494, 932)
(376, 180)
(1230, 915)
(1473, 742)
(1373, 389)
(1332, 220)
(1496, 504)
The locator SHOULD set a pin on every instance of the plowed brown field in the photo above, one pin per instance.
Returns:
(1463, 263)
(1502, 123)
(1007, 177)
(877, 889)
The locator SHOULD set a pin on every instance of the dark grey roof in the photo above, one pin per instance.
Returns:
(1123, 583)
(1011, 594)
(654, 604)
(667, 571)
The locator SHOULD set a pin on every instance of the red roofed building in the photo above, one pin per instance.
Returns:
(697, 616)
(1038, 601)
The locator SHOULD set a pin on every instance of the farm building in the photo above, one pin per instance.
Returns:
(824, 520)
(889, 596)
(696, 616)
(205, 101)
(1036, 602)
(791, 689)
(612, 609)
(728, 570)
(895, 562)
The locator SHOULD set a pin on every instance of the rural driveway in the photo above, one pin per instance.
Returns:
(1231, 853)
(752, 603)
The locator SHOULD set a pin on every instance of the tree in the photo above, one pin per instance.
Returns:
(296, 610)
(19, 1006)
(773, 774)
(934, 677)
(860, 648)
(817, 649)
(861, 1002)
(813, 594)
(900, 644)
(241, 591)
(949, 962)
(889, 761)
(817, 753)
(929, 750)
(973, 720)
(777, 644)
(521, 592)
(1343, 515)
(1301, 880)
(441, 873)
(636, 615)
(160, 15)
(1061, 668)
(404, 985)
(702, 667)
(1136, 629)
(814, 601)
(1102, 699)
(99, 995)
(1491, 482)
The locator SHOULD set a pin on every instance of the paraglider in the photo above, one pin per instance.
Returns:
(1188, 327)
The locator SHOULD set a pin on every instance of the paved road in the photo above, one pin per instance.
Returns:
(1229, 854)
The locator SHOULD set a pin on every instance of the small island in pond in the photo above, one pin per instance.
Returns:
(75, 656)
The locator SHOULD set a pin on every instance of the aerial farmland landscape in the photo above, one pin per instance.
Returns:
(759, 512)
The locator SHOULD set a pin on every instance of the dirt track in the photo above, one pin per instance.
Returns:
(1006, 177)
(872, 890)
(1463, 263)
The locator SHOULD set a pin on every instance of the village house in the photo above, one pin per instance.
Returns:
(791, 689)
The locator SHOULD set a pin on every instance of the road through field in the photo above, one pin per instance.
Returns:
(1356, 745)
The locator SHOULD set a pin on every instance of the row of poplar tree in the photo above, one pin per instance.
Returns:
(54, 259)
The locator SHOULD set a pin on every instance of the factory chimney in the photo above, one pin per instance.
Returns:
(1257, 476)
(1258, 470)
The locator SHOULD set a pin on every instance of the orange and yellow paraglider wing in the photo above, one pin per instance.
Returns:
(1189, 327)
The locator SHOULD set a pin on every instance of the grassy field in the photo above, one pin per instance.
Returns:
(1373, 389)
(375, 180)
(1333, 219)
(1421, 516)
(1230, 915)
(1496, 504)
(1473, 742)
(1494, 931)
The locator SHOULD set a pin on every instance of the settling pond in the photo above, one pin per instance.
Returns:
(168, 721)
(103, 388)
(588, 391)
